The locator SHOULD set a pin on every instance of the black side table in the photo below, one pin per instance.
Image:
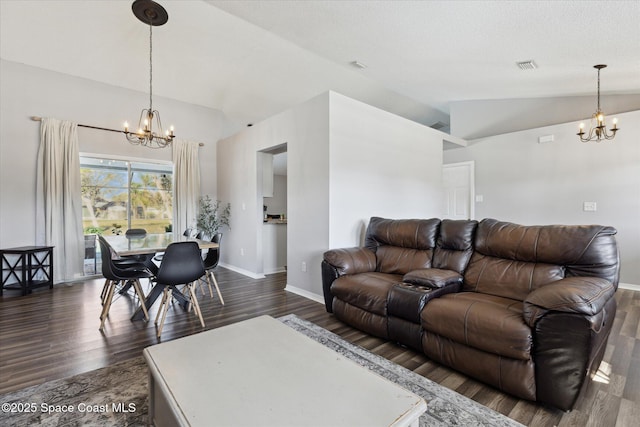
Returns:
(30, 266)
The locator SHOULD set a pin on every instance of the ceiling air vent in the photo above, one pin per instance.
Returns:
(527, 65)
(439, 125)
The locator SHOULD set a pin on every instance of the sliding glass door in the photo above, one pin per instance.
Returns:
(118, 195)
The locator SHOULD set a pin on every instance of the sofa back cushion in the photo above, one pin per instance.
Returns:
(402, 245)
(454, 246)
(511, 260)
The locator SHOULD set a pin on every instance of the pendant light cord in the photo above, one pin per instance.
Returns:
(598, 90)
(151, 69)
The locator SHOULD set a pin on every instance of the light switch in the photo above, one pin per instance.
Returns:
(479, 198)
(589, 206)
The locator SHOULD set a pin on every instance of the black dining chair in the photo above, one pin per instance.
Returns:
(189, 232)
(181, 265)
(210, 262)
(138, 233)
(114, 275)
(130, 263)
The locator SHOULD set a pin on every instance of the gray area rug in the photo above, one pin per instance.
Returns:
(117, 395)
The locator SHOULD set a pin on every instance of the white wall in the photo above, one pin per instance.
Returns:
(380, 165)
(29, 91)
(480, 118)
(347, 161)
(531, 183)
(305, 129)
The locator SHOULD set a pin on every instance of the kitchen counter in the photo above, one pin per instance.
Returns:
(274, 246)
(276, 221)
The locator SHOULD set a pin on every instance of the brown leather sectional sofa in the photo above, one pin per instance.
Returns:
(526, 309)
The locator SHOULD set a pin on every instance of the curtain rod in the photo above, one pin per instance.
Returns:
(39, 119)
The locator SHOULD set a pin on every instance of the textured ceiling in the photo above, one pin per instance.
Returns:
(252, 59)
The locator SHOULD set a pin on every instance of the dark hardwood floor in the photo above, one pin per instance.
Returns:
(53, 334)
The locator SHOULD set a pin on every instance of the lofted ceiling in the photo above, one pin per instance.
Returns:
(253, 59)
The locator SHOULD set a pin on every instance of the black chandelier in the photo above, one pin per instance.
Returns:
(150, 133)
(598, 130)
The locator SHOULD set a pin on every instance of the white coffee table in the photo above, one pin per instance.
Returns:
(260, 372)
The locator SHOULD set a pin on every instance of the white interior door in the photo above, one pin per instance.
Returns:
(459, 190)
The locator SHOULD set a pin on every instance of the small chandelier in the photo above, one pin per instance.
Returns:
(150, 133)
(598, 130)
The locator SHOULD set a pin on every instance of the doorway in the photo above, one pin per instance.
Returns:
(459, 190)
(273, 206)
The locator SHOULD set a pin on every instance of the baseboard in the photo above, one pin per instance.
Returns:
(304, 293)
(241, 271)
(276, 270)
(629, 286)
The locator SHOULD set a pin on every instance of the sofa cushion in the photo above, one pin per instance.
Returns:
(367, 291)
(432, 277)
(508, 278)
(395, 260)
(402, 245)
(489, 323)
(583, 250)
(455, 244)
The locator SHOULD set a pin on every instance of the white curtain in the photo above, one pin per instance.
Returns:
(58, 198)
(187, 184)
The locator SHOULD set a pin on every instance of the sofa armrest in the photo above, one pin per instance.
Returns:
(579, 295)
(407, 300)
(432, 277)
(351, 260)
(340, 262)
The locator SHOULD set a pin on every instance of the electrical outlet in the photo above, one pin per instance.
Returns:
(589, 206)
(241, 251)
(303, 267)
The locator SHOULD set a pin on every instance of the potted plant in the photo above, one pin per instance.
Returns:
(212, 215)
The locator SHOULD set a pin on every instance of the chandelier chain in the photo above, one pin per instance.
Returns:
(151, 67)
(150, 132)
(599, 90)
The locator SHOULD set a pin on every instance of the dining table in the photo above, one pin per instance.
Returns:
(148, 245)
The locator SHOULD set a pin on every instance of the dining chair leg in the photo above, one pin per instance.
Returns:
(215, 283)
(199, 285)
(187, 291)
(164, 312)
(194, 302)
(107, 303)
(206, 275)
(161, 307)
(138, 288)
(105, 289)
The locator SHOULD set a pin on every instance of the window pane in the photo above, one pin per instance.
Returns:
(151, 197)
(104, 195)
